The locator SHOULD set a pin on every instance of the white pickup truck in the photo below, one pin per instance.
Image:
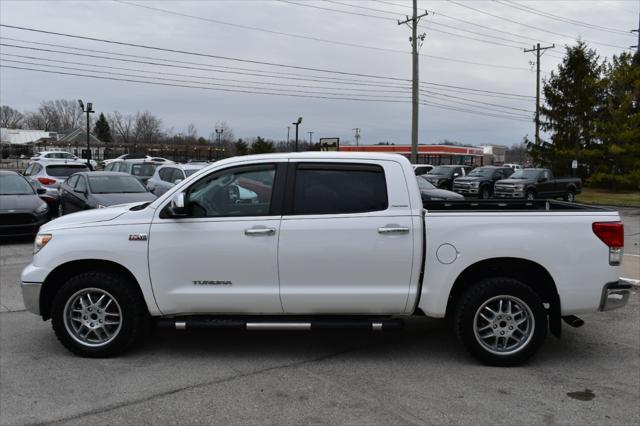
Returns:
(323, 241)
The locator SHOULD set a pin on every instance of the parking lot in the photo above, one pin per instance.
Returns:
(416, 376)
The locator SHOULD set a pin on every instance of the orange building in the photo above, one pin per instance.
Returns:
(427, 154)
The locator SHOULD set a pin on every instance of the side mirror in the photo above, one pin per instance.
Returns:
(177, 206)
(41, 191)
(542, 180)
(455, 175)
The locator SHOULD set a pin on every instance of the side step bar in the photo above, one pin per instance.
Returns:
(251, 324)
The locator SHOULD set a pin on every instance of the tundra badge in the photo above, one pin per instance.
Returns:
(137, 237)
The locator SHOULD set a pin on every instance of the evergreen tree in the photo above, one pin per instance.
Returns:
(619, 127)
(101, 130)
(241, 147)
(261, 146)
(574, 102)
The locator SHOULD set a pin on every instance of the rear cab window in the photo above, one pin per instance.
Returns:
(330, 188)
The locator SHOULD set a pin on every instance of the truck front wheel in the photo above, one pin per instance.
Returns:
(501, 321)
(98, 314)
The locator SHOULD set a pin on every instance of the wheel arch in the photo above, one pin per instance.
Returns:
(526, 271)
(65, 271)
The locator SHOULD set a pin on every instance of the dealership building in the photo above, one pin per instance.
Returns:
(428, 154)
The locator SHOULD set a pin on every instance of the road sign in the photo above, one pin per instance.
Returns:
(329, 144)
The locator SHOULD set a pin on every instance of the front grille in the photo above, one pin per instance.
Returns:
(507, 189)
(17, 219)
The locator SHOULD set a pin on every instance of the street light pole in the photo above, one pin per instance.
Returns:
(219, 134)
(297, 123)
(310, 137)
(88, 110)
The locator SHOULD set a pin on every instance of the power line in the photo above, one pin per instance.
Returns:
(251, 28)
(530, 26)
(583, 24)
(249, 84)
(215, 68)
(443, 58)
(132, 80)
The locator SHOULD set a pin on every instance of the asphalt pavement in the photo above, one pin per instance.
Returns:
(420, 375)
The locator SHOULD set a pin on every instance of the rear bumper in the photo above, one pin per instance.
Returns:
(615, 295)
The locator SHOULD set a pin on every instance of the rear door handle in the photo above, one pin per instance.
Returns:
(259, 231)
(393, 229)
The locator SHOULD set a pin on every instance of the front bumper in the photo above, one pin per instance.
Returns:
(615, 295)
(31, 296)
(498, 194)
(466, 190)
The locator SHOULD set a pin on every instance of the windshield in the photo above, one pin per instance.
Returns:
(115, 184)
(14, 185)
(424, 184)
(441, 170)
(189, 172)
(481, 172)
(65, 170)
(143, 169)
(525, 174)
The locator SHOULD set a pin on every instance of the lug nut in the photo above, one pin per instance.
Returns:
(91, 324)
(84, 317)
(502, 333)
(510, 327)
(100, 321)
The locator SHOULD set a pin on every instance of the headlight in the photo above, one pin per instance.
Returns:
(519, 187)
(100, 206)
(41, 241)
(475, 184)
(43, 208)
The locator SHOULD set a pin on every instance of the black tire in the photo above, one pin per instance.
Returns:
(485, 193)
(570, 196)
(467, 319)
(133, 316)
(530, 195)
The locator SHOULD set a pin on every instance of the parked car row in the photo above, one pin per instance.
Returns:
(484, 182)
(56, 183)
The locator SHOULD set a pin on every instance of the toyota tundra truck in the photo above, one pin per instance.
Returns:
(309, 241)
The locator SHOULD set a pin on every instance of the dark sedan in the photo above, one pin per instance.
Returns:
(93, 190)
(21, 209)
(428, 192)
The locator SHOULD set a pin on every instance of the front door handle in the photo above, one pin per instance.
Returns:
(259, 231)
(393, 229)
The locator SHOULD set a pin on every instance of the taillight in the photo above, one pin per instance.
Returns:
(46, 181)
(612, 234)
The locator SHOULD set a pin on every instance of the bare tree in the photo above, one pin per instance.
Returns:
(123, 127)
(10, 118)
(55, 116)
(147, 129)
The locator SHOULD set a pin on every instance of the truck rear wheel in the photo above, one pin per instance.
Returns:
(98, 314)
(501, 321)
(570, 196)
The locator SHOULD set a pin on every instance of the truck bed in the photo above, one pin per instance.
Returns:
(509, 205)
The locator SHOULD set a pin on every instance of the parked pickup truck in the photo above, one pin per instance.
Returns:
(331, 240)
(537, 183)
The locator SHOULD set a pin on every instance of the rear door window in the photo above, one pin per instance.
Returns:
(337, 189)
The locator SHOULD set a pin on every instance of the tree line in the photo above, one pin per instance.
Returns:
(591, 113)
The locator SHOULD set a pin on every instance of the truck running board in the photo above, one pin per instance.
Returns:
(251, 324)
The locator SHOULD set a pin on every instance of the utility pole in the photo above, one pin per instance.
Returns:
(288, 139)
(538, 49)
(88, 110)
(413, 24)
(310, 137)
(357, 129)
(637, 46)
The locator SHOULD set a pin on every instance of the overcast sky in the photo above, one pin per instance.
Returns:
(383, 50)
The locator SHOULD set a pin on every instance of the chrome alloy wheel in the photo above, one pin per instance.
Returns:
(503, 325)
(92, 317)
